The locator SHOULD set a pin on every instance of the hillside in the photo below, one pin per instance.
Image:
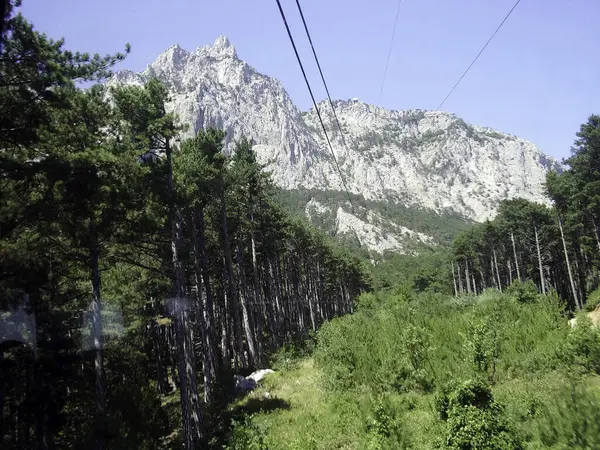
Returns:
(428, 161)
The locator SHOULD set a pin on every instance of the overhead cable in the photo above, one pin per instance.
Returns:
(478, 55)
(387, 61)
(283, 17)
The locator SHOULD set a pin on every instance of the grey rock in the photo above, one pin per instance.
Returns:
(424, 159)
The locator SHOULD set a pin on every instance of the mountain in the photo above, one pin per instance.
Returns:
(429, 164)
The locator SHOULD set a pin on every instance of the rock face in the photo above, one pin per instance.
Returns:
(431, 160)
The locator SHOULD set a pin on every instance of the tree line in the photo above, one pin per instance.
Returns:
(557, 247)
(136, 264)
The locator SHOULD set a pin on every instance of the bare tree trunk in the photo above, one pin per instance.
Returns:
(97, 340)
(188, 392)
(161, 374)
(192, 418)
(512, 238)
(225, 348)
(248, 321)
(310, 299)
(230, 283)
(272, 301)
(539, 255)
(454, 280)
(510, 276)
(460, 283)
(467, 276)
(596, 232)
(573, 290)
(493, 269)
(497, 270)
(209, 348)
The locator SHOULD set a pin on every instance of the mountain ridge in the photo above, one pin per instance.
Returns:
(429, 160)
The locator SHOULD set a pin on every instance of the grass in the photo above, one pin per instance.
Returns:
(291, 411)
(378, 379)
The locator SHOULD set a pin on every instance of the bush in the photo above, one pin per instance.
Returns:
(384, 428)
(523, 291)
(593, 300)
(247, 435)
(285, 358)
(375, 348)
(367, 300)
(583, 345)
(476, 421)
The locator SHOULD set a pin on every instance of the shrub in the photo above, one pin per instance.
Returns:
(583, 345)
(476, 421)
(593, 300)
(384, 428)
(285, 358)
(523, 291)
(368, 301)
(246, 435)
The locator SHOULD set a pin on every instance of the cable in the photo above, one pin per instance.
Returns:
(478, 54)
(326, 88)
(313, 100)
(387, 61)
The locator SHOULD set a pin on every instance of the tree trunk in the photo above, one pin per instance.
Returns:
(209, 353)
(596, 232)
(497, 271)
(539, 255)
(187, 364)
(97, 340)
(272, 300)
(460, 283)
(493, 269)
(310, 299)
(512, 238)
(246, 316)
(454, 280)
(188, 392)
(2, 398)
(570, 272)
(237, 330)
(467, 276)
(161, 374)
(510, 276)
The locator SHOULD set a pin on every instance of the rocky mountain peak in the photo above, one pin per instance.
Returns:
(222, 48)
(421, 159)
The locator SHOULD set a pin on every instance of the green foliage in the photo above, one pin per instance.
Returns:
(571, 419)
(429, 136)
(427, 272)
(107, 220)
(247, 435)
(583, 345)
(476, 421)
(482, 344)
(384, 427)
(523, 291)
(419, 373)
(441, 226)
(593, 300)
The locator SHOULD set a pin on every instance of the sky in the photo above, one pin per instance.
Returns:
(538, 79)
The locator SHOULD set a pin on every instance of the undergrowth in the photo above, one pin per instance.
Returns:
(405, 371)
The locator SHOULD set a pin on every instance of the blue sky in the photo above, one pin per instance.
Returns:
(539, 78)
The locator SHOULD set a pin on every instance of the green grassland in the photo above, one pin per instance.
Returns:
(429, 371)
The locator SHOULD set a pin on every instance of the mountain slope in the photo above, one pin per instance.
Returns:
(428, 161)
